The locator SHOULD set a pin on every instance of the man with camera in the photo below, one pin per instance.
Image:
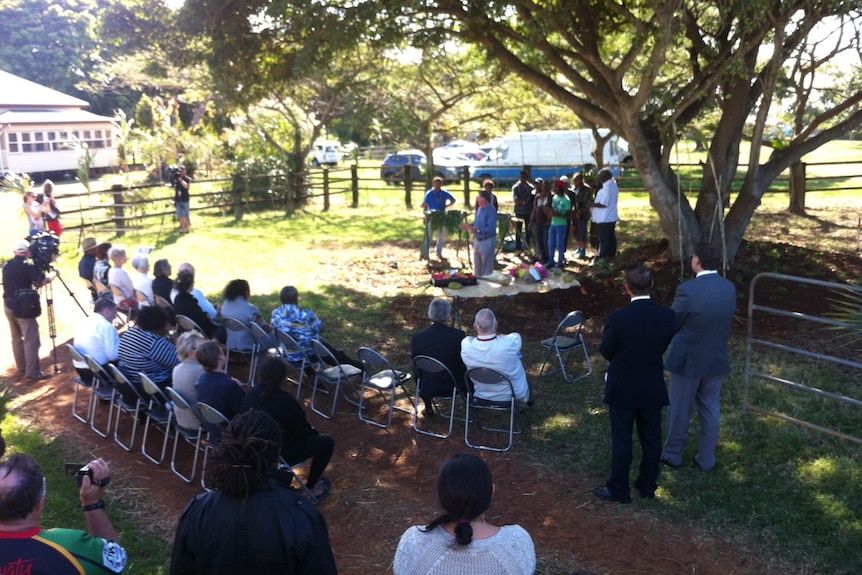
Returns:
(182, 183)
(27, 548)
(22, 307)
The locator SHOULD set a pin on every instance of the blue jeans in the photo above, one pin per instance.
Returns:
(556, 243)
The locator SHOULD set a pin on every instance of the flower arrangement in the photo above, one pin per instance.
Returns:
(523, 271)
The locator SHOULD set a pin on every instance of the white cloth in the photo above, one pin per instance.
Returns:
(608, 195)
(502, 353)
(509, 552)
(143, 283)
(120, 278)
(98, 338)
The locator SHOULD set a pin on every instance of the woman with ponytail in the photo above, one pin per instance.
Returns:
(460, 540)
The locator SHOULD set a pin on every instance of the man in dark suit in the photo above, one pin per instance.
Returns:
(634, 341)
(699, 360)
(443, 343)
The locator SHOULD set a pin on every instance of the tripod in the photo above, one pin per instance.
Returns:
(52, 324)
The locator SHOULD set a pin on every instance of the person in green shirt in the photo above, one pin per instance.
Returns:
(561, 205)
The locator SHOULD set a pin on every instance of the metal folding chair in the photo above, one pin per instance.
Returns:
(143, 299)
(127, 400)
(382, 377)
(185, 323)
(164, 304)
(567, 338)
(267, 343)
(79, 383)
(233, 324)
(489, 379)
(290, 347)
(214, 417)
(104, 388)
(193, 437)
(285, 466)
(424, 365)
(331, 377)
(158, 411)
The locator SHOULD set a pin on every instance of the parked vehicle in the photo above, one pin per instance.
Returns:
(326, 153)
(449, 163)
(394, 166)
(549, 154)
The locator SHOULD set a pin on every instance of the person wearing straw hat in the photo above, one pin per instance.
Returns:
(88, 260)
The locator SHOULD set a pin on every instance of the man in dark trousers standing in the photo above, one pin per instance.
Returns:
(634, 341)
(699, 360)
(443, 343)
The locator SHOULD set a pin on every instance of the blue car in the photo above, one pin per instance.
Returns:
(394, 167)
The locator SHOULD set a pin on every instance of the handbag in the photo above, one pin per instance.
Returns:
(26, 304)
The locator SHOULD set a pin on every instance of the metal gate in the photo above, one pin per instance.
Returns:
(753, 343)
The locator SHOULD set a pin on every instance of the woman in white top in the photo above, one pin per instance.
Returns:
(118, 277)
(460, 540)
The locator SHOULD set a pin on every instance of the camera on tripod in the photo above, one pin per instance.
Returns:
(44, 250)
(174, 174)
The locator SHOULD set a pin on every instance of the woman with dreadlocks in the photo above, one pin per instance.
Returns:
(250, 522)
(461, 540)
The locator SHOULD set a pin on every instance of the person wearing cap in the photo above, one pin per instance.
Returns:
(88, 260)
(561, 206)
(20, 274)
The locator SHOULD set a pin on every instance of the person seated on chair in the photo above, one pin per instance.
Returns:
(101, 268)
(461, 540)
(185, 376)
(283, 531)
(443, 343)
(186, 304)
(299, 439)
(97, 337)
(119, 278)
(141, 278)
(88, 261)
(237, 306)
(498, 351)
(303, 325)
(162, 282)
(216, 388)
(146, 347)
(202, 300)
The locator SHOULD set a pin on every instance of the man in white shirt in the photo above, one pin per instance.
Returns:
(605, 214)
(501, 352)
(205, 304)
(97, 337)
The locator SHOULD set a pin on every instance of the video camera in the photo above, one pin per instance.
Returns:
(44, 249)
(174, 174)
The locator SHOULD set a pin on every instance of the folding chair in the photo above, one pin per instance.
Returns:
(104, 388)
(290, 347)
(233, 324)
(563, 343)
(267, 344)
(143, 299)
(193, 437)
(124, 312)
(158, 411)
(186, 323)
(212, 416)
(77, 358)
(491, 380)
(285, 466)
(127, 400)
(330, 376)
(94, 294)
(424, 365)
(101, 289)
(382, 377)
(164, 304)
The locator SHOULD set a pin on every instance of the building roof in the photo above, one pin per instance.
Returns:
(64, 117)
(18, 93)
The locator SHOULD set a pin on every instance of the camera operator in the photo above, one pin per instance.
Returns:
(22, 307)
(27, 548)
(182, 183)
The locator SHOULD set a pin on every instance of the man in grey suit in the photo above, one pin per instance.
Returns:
(698, 360)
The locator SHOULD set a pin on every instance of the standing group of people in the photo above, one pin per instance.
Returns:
(42, 211)
(547, 215)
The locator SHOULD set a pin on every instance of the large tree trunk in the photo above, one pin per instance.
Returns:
(797, 188)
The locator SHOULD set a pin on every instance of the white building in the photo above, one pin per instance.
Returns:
(39, 129)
